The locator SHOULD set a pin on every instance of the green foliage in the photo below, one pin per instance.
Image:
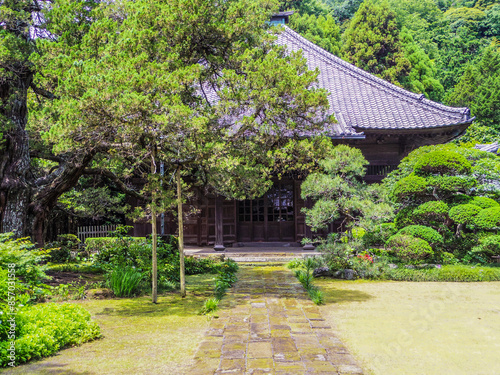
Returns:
(464, 213)
(322, 31)
(409, 187)
(44, 329)
(479, 88)
(489, 246)
(225, 278)
(305, 276)
(410, 249)
(338, 191)
(210, 305)
(316, 296)
(60, 250)
(124, 281)
(442, 162)
(433, 213)
(422, 77)
(488, 219)
(457, 273)
(337, 255)
(94, 202)
(380, 234)
(484, 202)
(22, 253)
(371, 42)
(426, 233)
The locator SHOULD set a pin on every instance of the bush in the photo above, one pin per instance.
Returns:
(337, 255)
(488, 218)
(410, 249)
(46, 328)
(409, 187)
(380, 234)
(431, 213)
(464, 213)
(488, 245)
(452, 184)
(484, 202)
(125, 281)
(60, 250)
(426, 233)
(27, 259)
(458, 273)
(442, 162)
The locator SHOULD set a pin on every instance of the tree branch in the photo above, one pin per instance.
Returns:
(119, 183)
(40, 91)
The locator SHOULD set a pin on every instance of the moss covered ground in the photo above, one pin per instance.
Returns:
(417, 328)
(139, 337)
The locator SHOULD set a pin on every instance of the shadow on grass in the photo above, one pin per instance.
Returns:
(199, 288)
(333, 292)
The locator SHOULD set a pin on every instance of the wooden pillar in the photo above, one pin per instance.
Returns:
(219, 230)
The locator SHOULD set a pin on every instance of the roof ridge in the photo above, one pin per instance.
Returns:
(418, 99)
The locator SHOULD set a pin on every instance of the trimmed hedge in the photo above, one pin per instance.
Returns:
(488, 218)
(464, 213)
(431, 212)
(446, 273)
(409, 187)
(484, 202)
(410, 249)
(44, 329)
(442, 162)
(425, 233)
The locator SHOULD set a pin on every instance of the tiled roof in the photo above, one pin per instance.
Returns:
(492, 147)
(362, 101)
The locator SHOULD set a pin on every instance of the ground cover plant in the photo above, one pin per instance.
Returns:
(41, 329)
(138, 337)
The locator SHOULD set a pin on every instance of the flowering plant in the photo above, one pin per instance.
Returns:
(365, 256)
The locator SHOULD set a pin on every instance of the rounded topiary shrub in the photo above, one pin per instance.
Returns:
(410, 249)
(431, 212)
(442, 162)
(488, 218)
(484, 202)
(409, 186)
(425, 233)
(464, 213)
(488, 245)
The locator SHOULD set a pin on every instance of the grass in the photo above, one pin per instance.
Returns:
(139, 337)
(447, 273)
(417, 328)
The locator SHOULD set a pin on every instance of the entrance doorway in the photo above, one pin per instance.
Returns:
(269, 218)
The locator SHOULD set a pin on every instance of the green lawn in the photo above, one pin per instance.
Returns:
(139, 337)
(417, 328)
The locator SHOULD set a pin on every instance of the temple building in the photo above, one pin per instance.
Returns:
(384, 121)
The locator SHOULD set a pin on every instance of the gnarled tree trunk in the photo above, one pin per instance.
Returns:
(15, 190)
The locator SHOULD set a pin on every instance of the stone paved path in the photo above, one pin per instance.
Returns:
(268, 325)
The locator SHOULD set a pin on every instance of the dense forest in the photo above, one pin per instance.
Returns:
(447, 50)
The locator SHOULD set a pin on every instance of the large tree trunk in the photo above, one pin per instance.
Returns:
(15, 190)
(46, 196)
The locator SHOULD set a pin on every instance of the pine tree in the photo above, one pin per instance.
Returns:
(372, 43)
